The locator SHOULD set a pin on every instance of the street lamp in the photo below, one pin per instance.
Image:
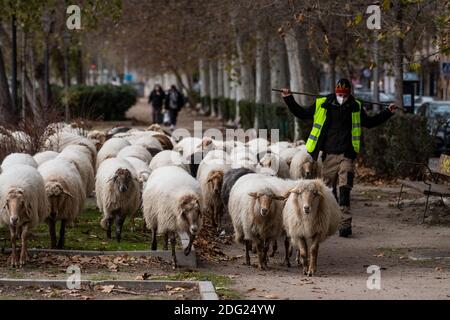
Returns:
(46, 25)
(66, 38)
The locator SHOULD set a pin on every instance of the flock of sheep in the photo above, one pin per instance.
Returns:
(270, 191)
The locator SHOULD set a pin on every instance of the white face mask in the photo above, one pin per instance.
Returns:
(341, 100)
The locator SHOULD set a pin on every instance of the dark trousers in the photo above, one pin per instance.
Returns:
(157, 115)
(173, 114)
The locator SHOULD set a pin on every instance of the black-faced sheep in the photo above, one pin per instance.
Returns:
(23, 205)
(310, 215)
(118, 193)
(171, 205)
(229, 179)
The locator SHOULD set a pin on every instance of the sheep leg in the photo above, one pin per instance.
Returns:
(52, 229)
(173, 241)
(62, 234)
(12, 231)
(24, 251)
(303, 247)
(260, 249)
(274, 248)
(154, 239)
(188, 249)
(109, 222)
(313, 253)
(133, 226)
(119, 224)
(286, 252)
(166, 241)
(266, 251)
(248, 247)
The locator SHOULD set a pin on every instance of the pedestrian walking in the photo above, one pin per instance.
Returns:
(337, 121)
(174, 103)
(156, 100)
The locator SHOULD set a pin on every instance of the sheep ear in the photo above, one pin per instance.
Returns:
(253, 195)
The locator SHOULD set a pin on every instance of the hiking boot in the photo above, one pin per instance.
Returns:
(345, 231)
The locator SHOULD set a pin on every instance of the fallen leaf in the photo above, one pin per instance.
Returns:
(251, 289)
(271, 296)
(107, 288)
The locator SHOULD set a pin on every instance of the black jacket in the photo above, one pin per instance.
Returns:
(336, 134)
(179, 99)
(156, 99)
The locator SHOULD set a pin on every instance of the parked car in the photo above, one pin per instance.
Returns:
(438, 114)
(368, 96)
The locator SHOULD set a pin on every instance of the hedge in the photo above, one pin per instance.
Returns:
(228, 107)
(404, 137)
(106, 102)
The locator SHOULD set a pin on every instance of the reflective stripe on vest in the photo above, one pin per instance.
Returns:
(320, 116)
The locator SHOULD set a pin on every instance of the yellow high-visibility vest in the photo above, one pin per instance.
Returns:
(320, 116)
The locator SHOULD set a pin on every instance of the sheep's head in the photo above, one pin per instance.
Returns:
(308, 197)
(190, 212)
(16, 205)
(56, 193)
(270, 161)
(215, 180)
(122, 179)
(308, 169)
(266, 200)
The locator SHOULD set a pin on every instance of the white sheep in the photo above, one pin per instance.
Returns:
(258, 145)
(187, 146)
(150, 143)
(311, 214)
(255, 206)
(82, 149)
(210, 175)
(136, 151)
(60, 140)
(111, 149)
(303, 166)
(274, 162)
(141, 168)
(287, 155)
(169, 158)
(83, 164)
(171, 205)
(23, 205)
(44, 156)
(279, 146)
(66, 196)
(118, 194)
(18, 158)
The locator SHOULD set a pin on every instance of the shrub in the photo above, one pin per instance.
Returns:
(228, 107)
(247, 113)
(404, 137)
(106, 102)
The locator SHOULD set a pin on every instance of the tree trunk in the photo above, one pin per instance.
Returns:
(226, 83)
(14, 95)
(220, 87)
(303, 77)
(376, 75)
(80, 67)
(332, 72)
(279, 69)
(262, 73)
(213, 86)
(398, 56)
(246, 90)
(204, 81)
(6, 109)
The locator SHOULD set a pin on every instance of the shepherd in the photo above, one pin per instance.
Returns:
(337, 121)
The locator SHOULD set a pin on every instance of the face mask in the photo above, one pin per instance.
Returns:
(341, 100)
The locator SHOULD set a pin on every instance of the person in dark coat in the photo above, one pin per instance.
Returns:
(338, 119)
(156, 99)
(174, 103)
